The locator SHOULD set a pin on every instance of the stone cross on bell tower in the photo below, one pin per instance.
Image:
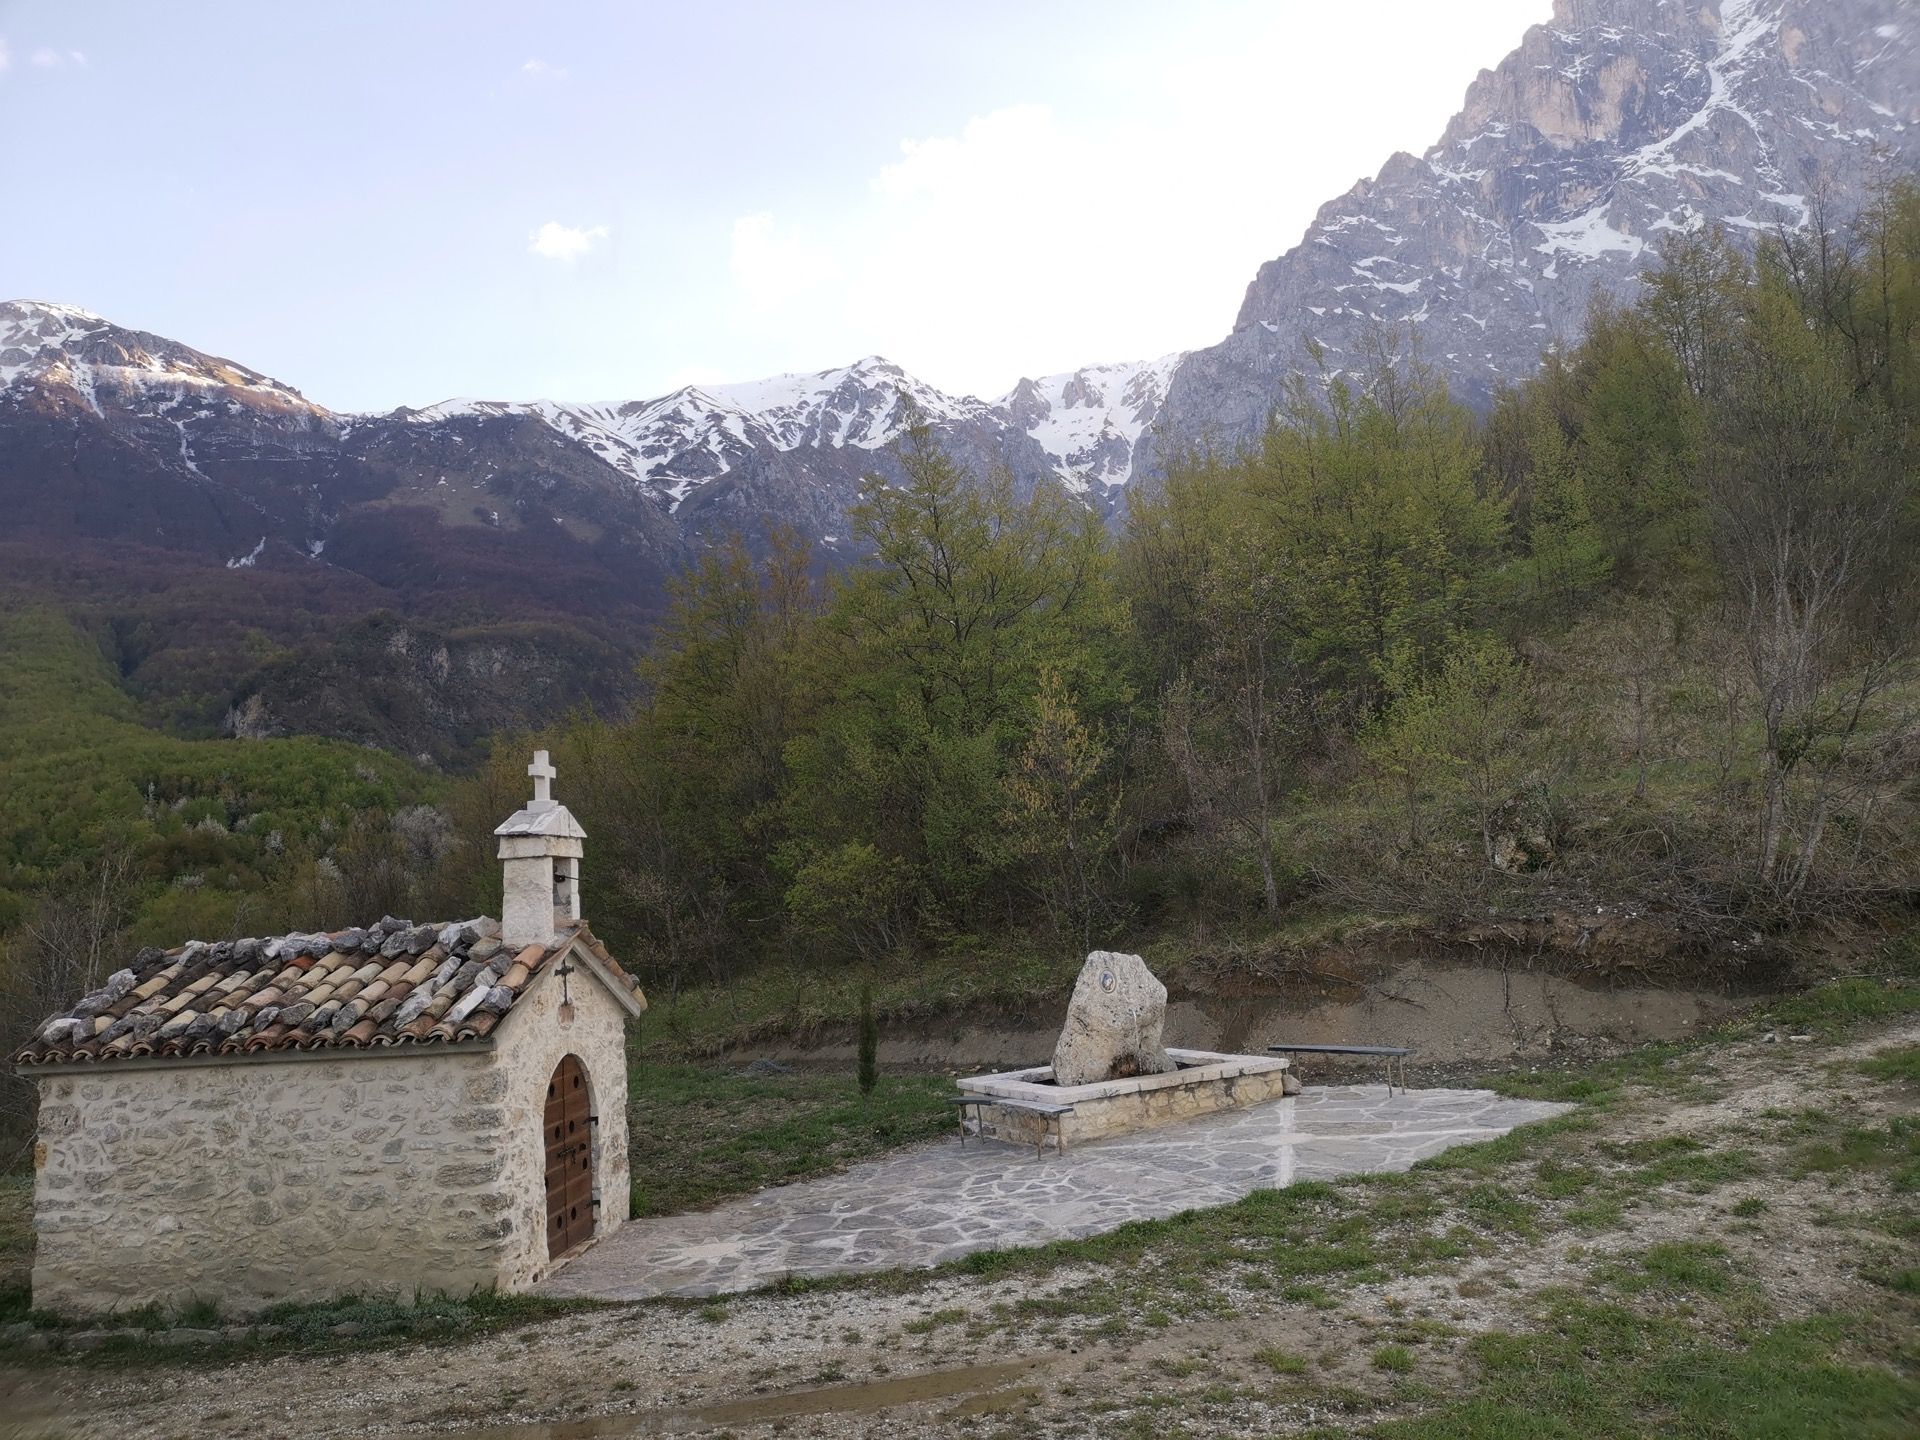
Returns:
(543, 775)
(540, 851)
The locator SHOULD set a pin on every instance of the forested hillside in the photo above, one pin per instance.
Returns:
(1624, 671)
(1622, 675)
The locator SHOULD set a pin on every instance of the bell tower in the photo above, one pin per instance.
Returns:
(540, 850)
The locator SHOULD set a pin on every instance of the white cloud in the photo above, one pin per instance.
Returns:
(45, 57)
(554, 241)
(541, 70)
(772, 267)
(1120, 220)
(695, 375)
(1000, 153)
(972, 253)
(5, 58)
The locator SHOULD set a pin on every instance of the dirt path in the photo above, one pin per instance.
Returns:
(1722, 1149)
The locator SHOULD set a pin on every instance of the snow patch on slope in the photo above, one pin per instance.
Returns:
(41, 342)
(250, 559)
(677, 442)
(1585, 237)
(1088, 421)
(33, 331)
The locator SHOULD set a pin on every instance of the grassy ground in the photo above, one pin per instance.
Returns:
(1718, 1244)
(794, 1003)
(1674, 1258)
(702, 1133)
(16, 1233)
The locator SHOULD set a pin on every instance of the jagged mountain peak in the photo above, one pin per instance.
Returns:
(64, 353)
(676, 442)
(1080, 426)
(44, 319)
(36, 333)
(1607, 128)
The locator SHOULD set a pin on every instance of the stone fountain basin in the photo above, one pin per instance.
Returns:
(1205, 1083)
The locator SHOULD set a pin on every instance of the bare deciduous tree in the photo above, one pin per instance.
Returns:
(70, 941)
(1804, 493)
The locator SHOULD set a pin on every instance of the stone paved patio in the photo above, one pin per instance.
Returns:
(936, 1201)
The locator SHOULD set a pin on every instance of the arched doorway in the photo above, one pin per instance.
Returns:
(569, 1136)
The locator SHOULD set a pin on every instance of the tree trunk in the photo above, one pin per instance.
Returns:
(1640, 738)
(1773, 813)
(1268, 883)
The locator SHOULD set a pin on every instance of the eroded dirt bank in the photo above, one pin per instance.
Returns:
(1452, 1014)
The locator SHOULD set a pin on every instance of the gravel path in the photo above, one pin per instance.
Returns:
(1023, 1353)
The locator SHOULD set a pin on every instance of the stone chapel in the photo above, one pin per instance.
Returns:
(400, 1109)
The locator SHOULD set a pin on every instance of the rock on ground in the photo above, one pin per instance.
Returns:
(1113, 1024)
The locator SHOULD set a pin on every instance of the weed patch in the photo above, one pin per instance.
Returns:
(701, 1134)
(1601, 1369)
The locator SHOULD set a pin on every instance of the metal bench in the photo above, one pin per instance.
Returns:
(1388, 1053)
(1052, 1114)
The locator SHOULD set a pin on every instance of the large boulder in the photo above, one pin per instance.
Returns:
(1113, 1023)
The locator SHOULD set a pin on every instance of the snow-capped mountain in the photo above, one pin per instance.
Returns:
(678, 442)
(1088, 421)
(1615, 124)
(126, 434)
(60, 349)
(1079, 427)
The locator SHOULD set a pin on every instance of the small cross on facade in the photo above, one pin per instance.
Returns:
(542, 773)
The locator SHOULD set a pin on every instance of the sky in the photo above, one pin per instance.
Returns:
(393, 202)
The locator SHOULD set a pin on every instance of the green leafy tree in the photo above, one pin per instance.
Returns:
(1062, 809)
(855, 897)
(1460, 736)
(1377, 491)
(937, 649)
(1250, 678)
(1567, 557)
(1807, 486)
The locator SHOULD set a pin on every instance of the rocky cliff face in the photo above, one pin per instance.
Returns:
(1616, 124)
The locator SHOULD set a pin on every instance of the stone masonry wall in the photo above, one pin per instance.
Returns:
(268, 1180)
(1137, 1110)
(532, 1041)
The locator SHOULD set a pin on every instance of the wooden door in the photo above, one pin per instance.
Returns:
(569, 1135)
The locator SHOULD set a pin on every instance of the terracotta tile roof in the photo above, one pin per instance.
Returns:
(394, 983)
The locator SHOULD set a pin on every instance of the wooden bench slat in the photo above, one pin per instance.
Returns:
(1345, 1049)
